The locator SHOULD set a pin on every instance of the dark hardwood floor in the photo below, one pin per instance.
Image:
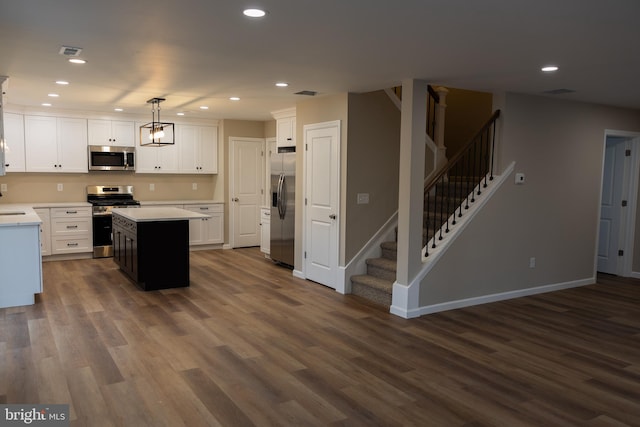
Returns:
(248, 344)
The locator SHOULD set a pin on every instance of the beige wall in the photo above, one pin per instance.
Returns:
(552, 217)
(317, 110)
(372, 166)
(466, 112)
(42, 187)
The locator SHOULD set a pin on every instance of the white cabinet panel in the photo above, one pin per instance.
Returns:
(55, 144)
(45, 231)
(111, 132)
(14, 142)
(265, 230)
(198, 148)
(205, 231)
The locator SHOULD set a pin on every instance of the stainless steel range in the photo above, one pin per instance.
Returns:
(104, 199)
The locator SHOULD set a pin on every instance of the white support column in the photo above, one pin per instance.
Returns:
(441, 154)
(410, 204)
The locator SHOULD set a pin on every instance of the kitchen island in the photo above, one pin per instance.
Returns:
(151, 245)
(20, 258)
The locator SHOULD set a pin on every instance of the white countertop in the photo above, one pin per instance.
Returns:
(25, 215)
(160, 213)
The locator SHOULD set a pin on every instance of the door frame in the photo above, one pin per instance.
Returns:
(338, 284)
(231, 204)
(627, 216)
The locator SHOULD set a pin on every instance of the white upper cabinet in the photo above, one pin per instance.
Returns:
(14, 160)
(285, 127)
(111, 132)
(55, 144)
(198, 148)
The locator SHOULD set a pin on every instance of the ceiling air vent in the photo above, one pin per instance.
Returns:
(70, 51)
(306, 92)
(558, 91)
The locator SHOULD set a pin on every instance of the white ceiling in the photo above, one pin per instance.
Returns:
(201, 52)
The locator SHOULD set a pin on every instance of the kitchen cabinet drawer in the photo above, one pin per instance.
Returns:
(71, 244)
(71, 212)
(70, 226)
(206, 231)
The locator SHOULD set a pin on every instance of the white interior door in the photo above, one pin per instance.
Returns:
(322, 188)
(246, 190)
(611, 205)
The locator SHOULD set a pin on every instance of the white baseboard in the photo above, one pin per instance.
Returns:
(299, 274)
(635, 275)
(484, 299)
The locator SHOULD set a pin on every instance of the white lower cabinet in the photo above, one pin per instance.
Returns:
(71, 230)
(265, 230)
(206, 231)
(45, 231)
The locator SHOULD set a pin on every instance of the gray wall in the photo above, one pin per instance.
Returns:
(553, 217)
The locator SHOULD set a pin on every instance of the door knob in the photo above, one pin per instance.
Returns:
(332, 216)
(235, 199)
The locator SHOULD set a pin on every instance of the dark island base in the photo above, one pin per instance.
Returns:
(155, 255)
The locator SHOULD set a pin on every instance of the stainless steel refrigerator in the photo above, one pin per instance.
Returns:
(283, 203)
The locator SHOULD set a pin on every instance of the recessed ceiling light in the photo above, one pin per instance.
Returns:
(118, 109)
(204, 107)
(53, 95)
(549, 68)
(62, 82)
(234, 98)
(77, 61)
(282, 84)
(46, 104)
(179, 114)
(254, 13)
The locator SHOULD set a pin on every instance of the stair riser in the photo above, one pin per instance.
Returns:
(371, 294)
(390, 254)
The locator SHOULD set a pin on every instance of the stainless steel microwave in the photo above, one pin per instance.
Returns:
(111, 158)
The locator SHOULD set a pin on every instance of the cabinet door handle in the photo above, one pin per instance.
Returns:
(332, 216)
(72, 212)
(72, 226)
(72, 244)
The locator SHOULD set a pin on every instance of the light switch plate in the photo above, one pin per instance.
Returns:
(60, 187)
(194, 186)
(152, 187)
(3, 188)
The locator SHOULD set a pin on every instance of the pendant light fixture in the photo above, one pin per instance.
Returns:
(156, 133)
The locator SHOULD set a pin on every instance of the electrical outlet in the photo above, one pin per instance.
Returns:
(532, 262)
(60, 187)
(152, 187)
(519, 178)
(363, 198)
(194, 186)
(3, 188)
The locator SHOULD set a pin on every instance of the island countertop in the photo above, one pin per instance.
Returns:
(160, 213)
(18, 215)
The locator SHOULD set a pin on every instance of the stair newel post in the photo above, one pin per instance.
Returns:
(441, 108)
(493, 145)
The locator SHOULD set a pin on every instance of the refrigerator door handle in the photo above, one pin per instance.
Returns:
(284, 197)
(279, 197)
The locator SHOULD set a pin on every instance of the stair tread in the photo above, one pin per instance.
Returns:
(373, 282)
(383, 263)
